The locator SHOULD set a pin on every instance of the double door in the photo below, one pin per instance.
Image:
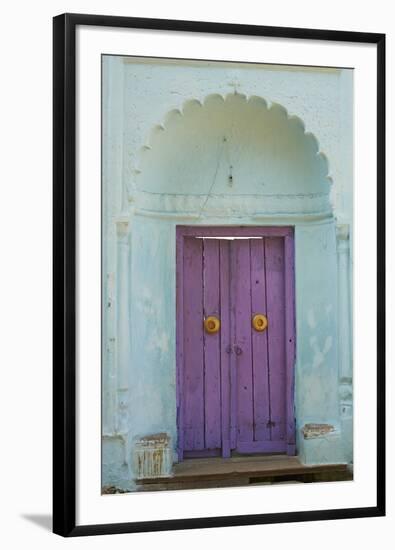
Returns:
(235, 369)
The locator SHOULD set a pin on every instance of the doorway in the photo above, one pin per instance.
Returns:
(235, 340)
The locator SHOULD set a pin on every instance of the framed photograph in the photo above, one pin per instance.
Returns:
(219, 274)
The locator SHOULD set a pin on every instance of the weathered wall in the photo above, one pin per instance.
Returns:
(190, 174)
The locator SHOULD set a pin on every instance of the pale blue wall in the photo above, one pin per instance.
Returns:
(316, 370)
(152, 372)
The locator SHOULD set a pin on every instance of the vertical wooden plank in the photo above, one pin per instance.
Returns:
(232, 359)
(290, 340)
(260, 369)
(193, 397)
(274, 256)
(225, 346)
(212, 358)
(180, 341)
(242, 348)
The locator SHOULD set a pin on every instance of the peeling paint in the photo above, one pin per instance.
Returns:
(311, 319)
(160, 342)
(311, 431)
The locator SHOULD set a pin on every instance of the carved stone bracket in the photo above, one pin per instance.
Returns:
(122, 225)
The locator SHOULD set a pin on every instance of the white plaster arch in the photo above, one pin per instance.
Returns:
(232, 154)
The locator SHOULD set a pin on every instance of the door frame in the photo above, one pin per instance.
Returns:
(287, 232)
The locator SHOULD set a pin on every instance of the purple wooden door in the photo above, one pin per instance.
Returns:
(235, 393)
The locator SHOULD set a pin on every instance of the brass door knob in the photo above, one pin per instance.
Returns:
(259, 322)
(212, 324)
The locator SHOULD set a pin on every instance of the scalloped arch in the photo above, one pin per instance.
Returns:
(232, 145)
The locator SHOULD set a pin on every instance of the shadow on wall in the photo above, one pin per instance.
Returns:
(231, 146)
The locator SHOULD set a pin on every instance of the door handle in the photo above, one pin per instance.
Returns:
(212, 324)
(238, 350)
(259, 322)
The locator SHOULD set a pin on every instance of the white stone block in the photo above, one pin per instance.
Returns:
(152, 456)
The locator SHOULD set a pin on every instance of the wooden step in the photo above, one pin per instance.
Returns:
(244, 470)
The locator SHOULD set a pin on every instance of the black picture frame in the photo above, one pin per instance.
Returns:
(64, 272)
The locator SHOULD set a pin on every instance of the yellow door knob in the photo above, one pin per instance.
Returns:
(212, 324)
(259, 322)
